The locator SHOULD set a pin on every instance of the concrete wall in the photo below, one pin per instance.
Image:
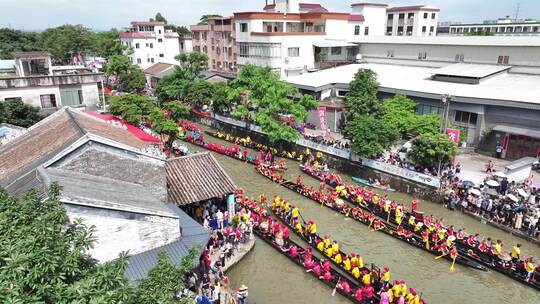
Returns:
(118, 231)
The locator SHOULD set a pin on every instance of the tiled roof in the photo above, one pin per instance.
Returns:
(353, 17)
(29, 55)
(106, 193)
(312, 6)
(150, 35)
(192, 234)
(158, 68)
(369, 4)
(196, 178)
(49, 137)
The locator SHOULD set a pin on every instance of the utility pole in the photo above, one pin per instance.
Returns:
(517, 11)
(445, 100)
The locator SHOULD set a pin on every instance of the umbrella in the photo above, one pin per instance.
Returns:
(476, 192)
(491, 191)
(499, 174)
(512, 197)
(492, 183)
(522, 192)
(468, 183)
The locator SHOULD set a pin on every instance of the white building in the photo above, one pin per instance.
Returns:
(37, 82)
(503, 26)
(152, 43)
(293, 38)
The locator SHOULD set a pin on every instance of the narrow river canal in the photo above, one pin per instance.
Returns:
(272, 278)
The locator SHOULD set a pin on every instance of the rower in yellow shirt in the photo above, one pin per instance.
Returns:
(529, 267)
(347, 264)
(360, 262)
(299, 228)
(335, 248)
(320, 246)
(326, 241)
(338, 259)
(329, 252)
(396, 289)
(411, 220)
(356, 272)
(359, 199)
(366, 279)
(516, 253)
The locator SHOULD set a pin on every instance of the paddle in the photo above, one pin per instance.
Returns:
(441, 256)
(334, 291)
(453, 262)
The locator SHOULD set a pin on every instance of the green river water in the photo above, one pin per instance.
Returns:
(272, 278)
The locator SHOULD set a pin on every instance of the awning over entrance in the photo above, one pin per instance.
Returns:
(517, 130)
(332, 43)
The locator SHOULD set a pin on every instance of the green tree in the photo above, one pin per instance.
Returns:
(204, 19)
(400, 113)
(369, 136)
(17, 41)
(201, 93)
(165, 280)
(362, 96)
(277, 105)
(182, 30)
(44, 256)
(66, 41)
(220, 99)
(177, 86)
(108, 43)
(132, 108)
(159, 18)
(164, 120)
(429, 149)
(16, 112)
(123, 75)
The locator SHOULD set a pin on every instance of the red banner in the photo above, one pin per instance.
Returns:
(453, 134)
(321, 111)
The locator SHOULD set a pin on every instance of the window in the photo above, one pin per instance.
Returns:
(366, 30)
(389, 30)
(503, 59)
(357, 30)
(11, 98)
(401, 16)
(427, 109)
(159, 32)
(425, 15)
(423, 29)
(400, 30)
(161, 55)
(433, 15)
(410, 15)
(136, 45)
(243, 27)
(48, 101)
(336, 51)
(139, 60)
(160, 40)
(390, 16)
(151, 45)
(431, 29)
(460, 57)
(466, 117)
(422, 55)
(71, 97)
(293, 52)
(259, 50)
(152, 60)
(390, 53)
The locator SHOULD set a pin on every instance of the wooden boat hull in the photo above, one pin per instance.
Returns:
(367, 183)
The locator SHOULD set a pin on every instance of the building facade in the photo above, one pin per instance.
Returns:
(152, 43)
(503, 26)
(419, 20)
(293, 38)
(38, 83)
(217, 40)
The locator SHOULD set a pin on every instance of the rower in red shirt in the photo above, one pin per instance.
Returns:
(368, 293)
(460, 235)
(308, 264)
(294, 252)
(327, 276)
(308, 254)
(453, 252)
(345, 287)
(472, 240)
(326, 265)
(358, 294)
(317, 270)
(414, 205)
(484, 245)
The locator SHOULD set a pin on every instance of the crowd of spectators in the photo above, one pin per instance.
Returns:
(227, 233)
(334, 143)
(515, 205)
(397, 159)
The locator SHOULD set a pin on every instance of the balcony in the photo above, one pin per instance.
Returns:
(288, 33)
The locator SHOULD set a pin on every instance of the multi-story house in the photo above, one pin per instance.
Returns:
(503, 26)
(217, 40)
(418, 20)
(293, 38)
(151, 43)
(32, 77)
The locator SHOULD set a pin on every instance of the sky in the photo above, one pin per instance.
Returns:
(105, 14)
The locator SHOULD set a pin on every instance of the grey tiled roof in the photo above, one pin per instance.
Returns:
(195, 178)
(193, 234)
(103, 192)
